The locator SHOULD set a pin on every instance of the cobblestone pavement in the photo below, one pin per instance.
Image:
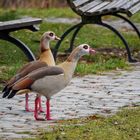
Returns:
(92, 94)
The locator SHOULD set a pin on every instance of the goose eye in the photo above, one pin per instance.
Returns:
(51, 34)
(85, 47)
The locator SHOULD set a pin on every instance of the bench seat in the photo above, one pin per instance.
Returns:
(18, 24)
(7, 27)
(100, 7)
(92, 11)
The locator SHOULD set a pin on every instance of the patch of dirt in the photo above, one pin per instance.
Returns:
(111, 52)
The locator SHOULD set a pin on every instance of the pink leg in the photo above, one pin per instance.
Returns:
(48, 110)
(37, 101)
(40, 106)
(27, 103)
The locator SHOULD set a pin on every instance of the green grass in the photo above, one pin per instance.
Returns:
(136, 18)
(122, 126)
(11, 58)
(100, 66)
(9, 14)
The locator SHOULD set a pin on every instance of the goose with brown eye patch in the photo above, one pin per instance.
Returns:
(45, 58)
(51, 36)
(49, 80)
(86, 48)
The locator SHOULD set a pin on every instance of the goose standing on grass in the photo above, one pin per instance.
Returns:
(49, 80)
(46, 58)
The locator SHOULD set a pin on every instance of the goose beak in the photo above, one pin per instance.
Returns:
(57, 38)
(91, 51)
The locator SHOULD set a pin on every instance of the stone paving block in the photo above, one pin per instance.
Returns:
(92, 94)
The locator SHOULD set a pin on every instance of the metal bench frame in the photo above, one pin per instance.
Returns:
(96, 19)
(10, 26)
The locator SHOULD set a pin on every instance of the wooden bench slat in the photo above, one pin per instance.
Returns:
(121, 3)
(98, 7)
(129, 4)
(111, 4)
(135, 8)
(19, 23)
(79, 2)
(106, 9)
(119, 7)
(89, 6)
(114, 6)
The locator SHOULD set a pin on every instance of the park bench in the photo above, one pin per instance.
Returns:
(92, 11)
(7, 27)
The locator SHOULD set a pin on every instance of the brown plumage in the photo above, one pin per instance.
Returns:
(46, 58)
(49, 80)
(46, 53)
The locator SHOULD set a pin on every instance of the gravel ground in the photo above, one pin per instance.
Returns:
(92, 94)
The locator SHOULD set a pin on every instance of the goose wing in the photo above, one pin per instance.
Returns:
(28, 80)
(26, 69)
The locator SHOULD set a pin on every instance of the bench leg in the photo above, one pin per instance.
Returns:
(131, 23)
(130, 59)
(20, 45)
(73, 39)
(55, 50)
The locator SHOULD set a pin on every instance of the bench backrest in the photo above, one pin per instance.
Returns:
(98, 7)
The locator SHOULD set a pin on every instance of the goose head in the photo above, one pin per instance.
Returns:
(46, 38)
(81, 50)
(85, 49)
(49, 35)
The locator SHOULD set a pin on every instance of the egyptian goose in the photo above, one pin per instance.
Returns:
(46, 58)
(49, 80)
